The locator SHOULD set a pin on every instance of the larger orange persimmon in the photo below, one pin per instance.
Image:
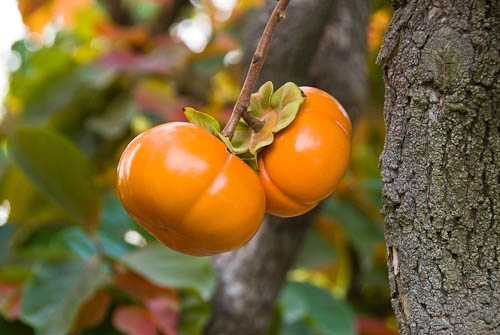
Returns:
(180, 183)
(308, 158)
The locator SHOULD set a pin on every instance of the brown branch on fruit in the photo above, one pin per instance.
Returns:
(240, 109)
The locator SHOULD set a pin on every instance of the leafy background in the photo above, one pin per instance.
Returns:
(89, 77)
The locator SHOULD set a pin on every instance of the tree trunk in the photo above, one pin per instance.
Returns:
(250, 279)
(339, 66)
(440, 165)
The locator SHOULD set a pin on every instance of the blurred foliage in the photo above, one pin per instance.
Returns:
(94, 74)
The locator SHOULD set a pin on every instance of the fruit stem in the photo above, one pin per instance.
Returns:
(240, 108)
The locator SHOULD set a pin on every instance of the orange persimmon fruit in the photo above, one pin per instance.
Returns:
(307, 159)
(181, 184)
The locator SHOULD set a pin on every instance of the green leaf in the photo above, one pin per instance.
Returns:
(208, 66)
(302, 301)
(276, 327)
(14, 274)
(113, 226)
(4, 161)
(144, 11)
(331, 315)
(74, 88)
(6, 233)
(194, 314)
(203, 120)
(39, 72)
(75, 241)
(239, 144)
(316, 253)
(114, 122)
(58, 169)
(27, 204)
(33, 254)
(299, 328)
(56, 292)
(363, 232)
(373, 189)
(170, 268)
(294, 302)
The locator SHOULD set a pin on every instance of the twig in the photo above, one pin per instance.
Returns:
(240, 109)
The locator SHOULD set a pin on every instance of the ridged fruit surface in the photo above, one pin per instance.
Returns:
(307, 159)
(180, 183)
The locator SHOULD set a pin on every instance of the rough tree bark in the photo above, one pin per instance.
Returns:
(250, 279)
(440, 165)
(339, 65)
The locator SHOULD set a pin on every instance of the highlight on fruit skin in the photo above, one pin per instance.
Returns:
(180, 183)
(309, 158)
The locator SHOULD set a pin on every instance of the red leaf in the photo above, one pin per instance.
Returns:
(165, 313)
(154, 99)
(93, 310)
(162, 302)
(15, 306)
(374, 326)
(134, 320)
(156, 64)
(119, 60)
(141, 289)
(6, 289)
(159, 63)
(10, 299)
(135, 35)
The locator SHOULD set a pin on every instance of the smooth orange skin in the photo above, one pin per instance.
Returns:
(307, 159)
(181, 184)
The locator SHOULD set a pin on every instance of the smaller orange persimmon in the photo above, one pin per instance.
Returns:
(180, 183)
(307, 159)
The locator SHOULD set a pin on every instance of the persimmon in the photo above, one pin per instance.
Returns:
(308, 158)
(180, 183)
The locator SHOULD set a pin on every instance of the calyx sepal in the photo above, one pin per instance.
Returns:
(209, 123)
(277, 109)
(285, 102)
(203, 120)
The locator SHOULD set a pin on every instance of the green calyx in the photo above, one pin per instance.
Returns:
(277, 109)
